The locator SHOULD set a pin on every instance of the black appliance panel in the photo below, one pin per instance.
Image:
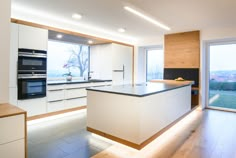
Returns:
(31, 87)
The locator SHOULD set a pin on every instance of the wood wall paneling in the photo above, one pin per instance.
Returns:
(182, 50)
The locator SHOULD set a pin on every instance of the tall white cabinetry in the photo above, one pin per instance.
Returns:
(13, 64)
(33, 38)
(28, 37)
(107, 61)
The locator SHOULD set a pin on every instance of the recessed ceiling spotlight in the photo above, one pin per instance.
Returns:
(59, 36)
(76, 16)
(131, 10)
(121, 30)
(90, 41)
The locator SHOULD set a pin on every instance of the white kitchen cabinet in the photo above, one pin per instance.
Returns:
(13, 149)
(13, 64)
(55, 106)
(12, 133)
(121, 58)
(54, 95)
(67, 96)
(33, 38)
(101, 61)
(75, 93)
(13, 55)
(75, 102)
(33, 106)
(12, 128)
(107, 60)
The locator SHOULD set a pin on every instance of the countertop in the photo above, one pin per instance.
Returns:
(140, 90)
(10, 110)
(76, 81)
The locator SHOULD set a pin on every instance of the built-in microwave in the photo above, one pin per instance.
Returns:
(32, 60)
(31, 86)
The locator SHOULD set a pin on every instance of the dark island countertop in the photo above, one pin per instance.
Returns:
(139, 90)
(76, 81)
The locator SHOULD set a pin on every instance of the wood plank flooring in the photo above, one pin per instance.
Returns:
(202, 134)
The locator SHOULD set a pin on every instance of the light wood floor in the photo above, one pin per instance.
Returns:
(202, 134)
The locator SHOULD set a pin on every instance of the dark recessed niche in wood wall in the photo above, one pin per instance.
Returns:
(185, 73)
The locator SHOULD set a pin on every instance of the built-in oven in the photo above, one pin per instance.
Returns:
(31, 86)
(32, 60)
(32, 75)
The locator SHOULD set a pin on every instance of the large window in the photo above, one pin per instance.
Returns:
(222, 75)
(67, 59)
(155, 64)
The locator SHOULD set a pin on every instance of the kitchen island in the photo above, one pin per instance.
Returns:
(136, 114)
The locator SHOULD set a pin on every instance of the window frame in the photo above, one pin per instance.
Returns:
(64, 78)
(207, 45)
(146, 49)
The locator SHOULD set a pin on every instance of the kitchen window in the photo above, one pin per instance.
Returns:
(154, 63)
(65, 59)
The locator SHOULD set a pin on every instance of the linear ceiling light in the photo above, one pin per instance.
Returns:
(146, 18)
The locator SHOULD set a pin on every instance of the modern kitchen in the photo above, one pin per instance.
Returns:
(116, 79)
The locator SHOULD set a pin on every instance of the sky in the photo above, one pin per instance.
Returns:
(223, 57)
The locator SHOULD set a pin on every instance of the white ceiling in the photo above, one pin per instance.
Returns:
(179, 15)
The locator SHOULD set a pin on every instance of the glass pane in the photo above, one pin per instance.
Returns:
(155, 64)
(222, 83)
(67, 59)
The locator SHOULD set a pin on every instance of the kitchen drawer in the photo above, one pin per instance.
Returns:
(75, 93)
(34, 106)
(12, 128)
(81, 85)
(15, 149)
(55, 95)
(77, 102)
(55, 87)
(56, 106)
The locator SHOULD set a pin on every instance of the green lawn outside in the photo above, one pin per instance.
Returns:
(224, 99)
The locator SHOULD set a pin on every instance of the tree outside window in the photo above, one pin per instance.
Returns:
(67, 59)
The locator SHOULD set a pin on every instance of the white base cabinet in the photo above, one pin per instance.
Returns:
(12, 132)
(67, 96)
(15, 149)
(33, 106)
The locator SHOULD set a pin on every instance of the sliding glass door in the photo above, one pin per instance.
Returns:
(222, 75)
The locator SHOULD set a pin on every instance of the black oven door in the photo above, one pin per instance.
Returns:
(32, 63)
(31, 88)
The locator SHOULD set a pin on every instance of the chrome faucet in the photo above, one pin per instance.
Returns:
(89, 75)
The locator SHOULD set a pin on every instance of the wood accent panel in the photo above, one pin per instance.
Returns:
(122, 141)
(134, 145)
(182, 50)
(55, 113)
(7, 110)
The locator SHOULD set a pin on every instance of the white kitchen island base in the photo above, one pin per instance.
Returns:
(132, 119)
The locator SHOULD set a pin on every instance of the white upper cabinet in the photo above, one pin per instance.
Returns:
(33, 38)
(121, 64)
(111, 61)
(101, 61)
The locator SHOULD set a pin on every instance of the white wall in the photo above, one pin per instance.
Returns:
(5, 8)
